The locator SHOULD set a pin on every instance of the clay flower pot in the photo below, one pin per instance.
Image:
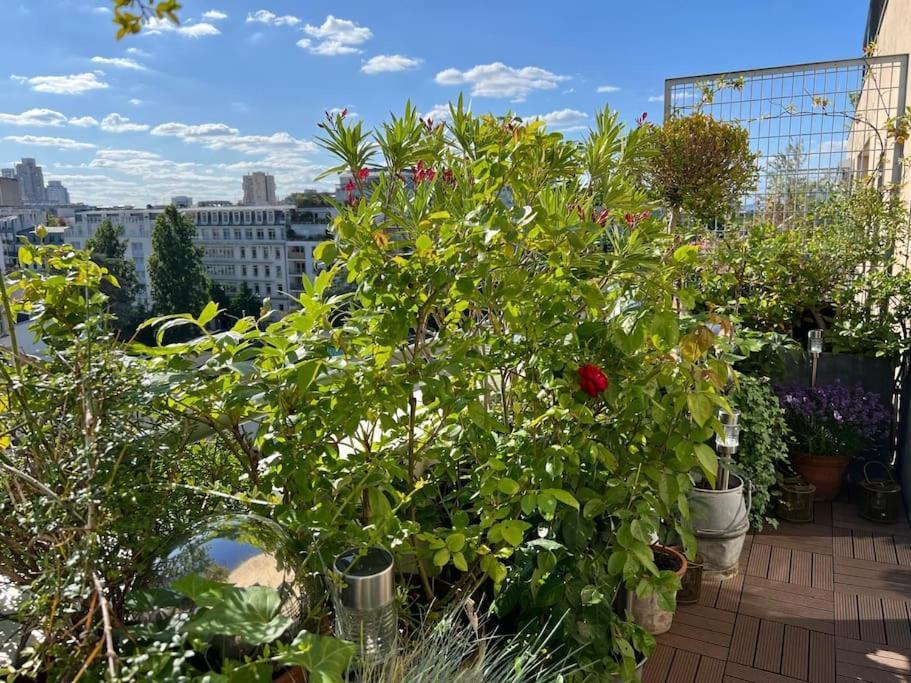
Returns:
(645, 611)
(825, 472)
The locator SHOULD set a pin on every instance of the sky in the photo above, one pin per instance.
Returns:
(240, 85)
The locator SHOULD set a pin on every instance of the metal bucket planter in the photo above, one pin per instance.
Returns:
(691, 583)
(879, 500)
(363, 593)
(721, 520)
(645, 611)
(795, 501)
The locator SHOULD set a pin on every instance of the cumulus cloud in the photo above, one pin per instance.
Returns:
(115, 123)
(214, 15)
(156, 26)
(139, 52)
(119, 63)
(389, 63)
(220, 136)
(43, 141)
(101, 10)
(499, 80)
(656, 98)
(439, 112)
(563, 119)
(264, 16)
(135, 101)
(34, 117)
(83, 121)
(335, 37)
(73, 84)
(607, 88)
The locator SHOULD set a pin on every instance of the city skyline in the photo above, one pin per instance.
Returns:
(240, 86)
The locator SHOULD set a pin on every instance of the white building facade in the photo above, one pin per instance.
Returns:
(259, 189)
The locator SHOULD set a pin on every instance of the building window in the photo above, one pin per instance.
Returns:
(237, 235)
(268, 288)
(260, 234)
(255, 270)
(256, 288)
(236, 217)
(278, 253)
(278, 271)
(259, 217)
(243, 252)
(203, 218)
(247, 220)
(225, 218)
(248, 234)
(268, 271)
(243, 271)
(270, 217)
(253, 252)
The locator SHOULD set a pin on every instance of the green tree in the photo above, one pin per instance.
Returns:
(179, 280)
(108, 250)
(244, 302)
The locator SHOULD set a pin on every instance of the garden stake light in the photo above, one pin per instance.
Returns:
(814, 346)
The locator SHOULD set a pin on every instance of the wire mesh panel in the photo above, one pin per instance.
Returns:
(817, 127)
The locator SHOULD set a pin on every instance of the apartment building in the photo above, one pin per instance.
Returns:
(270, 248)
(259, 189)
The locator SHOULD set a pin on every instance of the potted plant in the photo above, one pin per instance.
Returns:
(654, 610)
(831, 424)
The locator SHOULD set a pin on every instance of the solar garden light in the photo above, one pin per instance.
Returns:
(363, 593)
(814, 346)
(728, 441)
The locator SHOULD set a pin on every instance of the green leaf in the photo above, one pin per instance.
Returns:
(700, 407)
(25, 255)
(252, 614)
(207, 313)
(513, 531)
(324, 658)
(616, 562)
(708, 461)
(455, 542)
(458, 559)
(203, 592)
(441, 557)
(423, 243)
(664, 326)
(564, 497)
(508, 486)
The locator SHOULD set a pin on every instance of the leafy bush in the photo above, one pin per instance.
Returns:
(764, 437)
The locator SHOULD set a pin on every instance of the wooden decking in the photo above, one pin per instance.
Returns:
(827, 602)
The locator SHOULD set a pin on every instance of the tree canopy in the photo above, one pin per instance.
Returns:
(108, 250)
(178, 277)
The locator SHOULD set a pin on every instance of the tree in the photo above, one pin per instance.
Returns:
(701, 167)
(108, 250)
(179, 280)
(130, 15)
(244, 302)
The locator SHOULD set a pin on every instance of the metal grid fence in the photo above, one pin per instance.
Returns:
(817, 127)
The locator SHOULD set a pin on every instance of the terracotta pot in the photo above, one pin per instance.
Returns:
(645, 611)
(825, 472)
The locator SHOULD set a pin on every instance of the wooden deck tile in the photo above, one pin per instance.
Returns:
(826, 602)
(710, 670)
(796, 652)
(658, 665)
(822, 657)
(769, 648)
(684, 667)
(743, 644)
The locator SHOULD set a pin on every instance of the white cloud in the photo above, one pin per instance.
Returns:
(101, 10)
(74, 84)
(138, 52)
(387, 63)
(184, 131)
(607, 88)
(135, 101)
(563, 119)
(214, 15)
(42, 141)
(34, 117)
(499, 80)
(18, 79)
(264, 16)
(335, 37)
(439, 112)
(156, 26)
(656, 98)
(220, 136)
(119, 63)
(83, 121)
(115, 123)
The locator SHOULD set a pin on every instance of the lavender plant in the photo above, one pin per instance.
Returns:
(834, 419)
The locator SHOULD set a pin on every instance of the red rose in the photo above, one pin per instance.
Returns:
(592, 379)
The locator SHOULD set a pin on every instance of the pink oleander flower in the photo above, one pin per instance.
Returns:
(592, 379)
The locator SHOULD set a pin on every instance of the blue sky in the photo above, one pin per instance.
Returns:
(241, 84)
